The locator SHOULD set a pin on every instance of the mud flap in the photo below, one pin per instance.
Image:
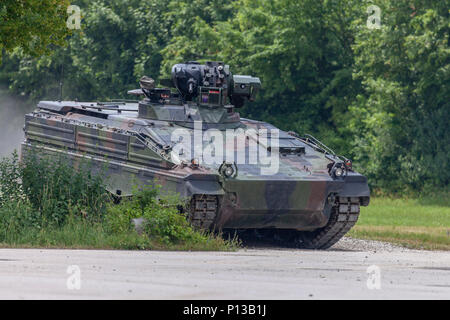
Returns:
(356, 186)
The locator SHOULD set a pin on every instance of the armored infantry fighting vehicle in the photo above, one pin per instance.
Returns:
(278, 184)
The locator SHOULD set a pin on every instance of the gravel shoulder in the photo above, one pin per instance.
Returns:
(254, 273)
(352, 244)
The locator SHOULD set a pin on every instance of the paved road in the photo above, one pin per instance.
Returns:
(261, 273)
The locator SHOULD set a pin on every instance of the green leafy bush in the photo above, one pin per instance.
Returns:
(57, 187)
(38, 193)
(55, 203)
(162, 220)
(169, 226)
(10, 175)
(17, 218)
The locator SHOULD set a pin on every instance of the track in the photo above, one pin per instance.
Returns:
(203, 211)
(344, 215)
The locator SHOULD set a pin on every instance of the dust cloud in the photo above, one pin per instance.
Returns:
(12, 112)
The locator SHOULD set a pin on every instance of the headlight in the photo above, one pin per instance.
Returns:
(338, 170)
(228, 170)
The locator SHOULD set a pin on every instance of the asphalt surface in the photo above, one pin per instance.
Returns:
(256, 273)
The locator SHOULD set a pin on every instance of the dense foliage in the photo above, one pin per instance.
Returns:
(380, 95)
(400, 120)
(55, 203)
(52, 188)
(32, 24)
(161, 219)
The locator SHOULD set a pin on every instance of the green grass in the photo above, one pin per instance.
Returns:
(81, 235)
(414, 223)
(77, 232)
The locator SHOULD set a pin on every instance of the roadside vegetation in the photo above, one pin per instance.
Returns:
(421, 223)
(53, 204)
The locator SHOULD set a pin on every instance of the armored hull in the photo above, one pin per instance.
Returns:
(295, 188)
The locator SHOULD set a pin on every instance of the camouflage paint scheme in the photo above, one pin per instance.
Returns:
(133, 140)
(306, 201)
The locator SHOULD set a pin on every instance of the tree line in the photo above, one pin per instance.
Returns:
(372, 84)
